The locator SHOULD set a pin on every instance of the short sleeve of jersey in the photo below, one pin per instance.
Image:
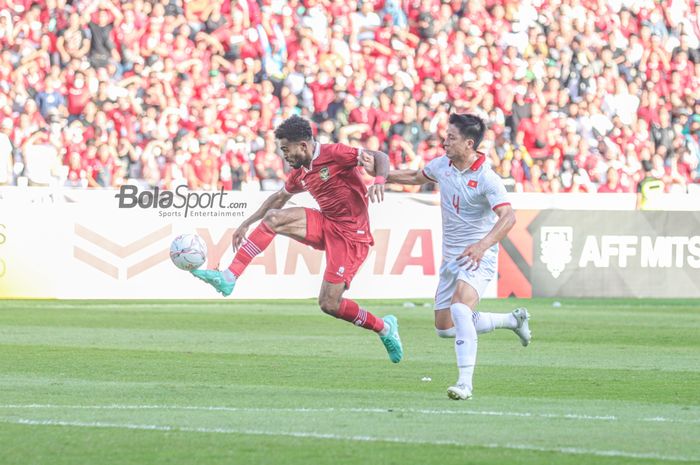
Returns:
(293, 184)
(431, 170)
(495, 191)
(344, 155)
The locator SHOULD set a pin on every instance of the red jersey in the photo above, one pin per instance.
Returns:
(204, 168)
(77, 99)
(334, 180)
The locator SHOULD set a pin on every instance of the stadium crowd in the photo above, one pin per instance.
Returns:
(578, 95)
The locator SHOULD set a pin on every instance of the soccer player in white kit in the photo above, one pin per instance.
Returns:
(476, 215)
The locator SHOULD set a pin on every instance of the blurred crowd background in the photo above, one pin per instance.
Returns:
(578, 95)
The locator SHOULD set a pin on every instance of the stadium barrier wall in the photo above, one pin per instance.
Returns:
(560, 253)
(80, 244)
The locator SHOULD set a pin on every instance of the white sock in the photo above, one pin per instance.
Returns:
(487, 322)
(465, 343)
(385, 330)
(446, 333)
(228, 275)
(484, 323)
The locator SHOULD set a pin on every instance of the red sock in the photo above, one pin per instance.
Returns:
(350, 311)
(258, 241)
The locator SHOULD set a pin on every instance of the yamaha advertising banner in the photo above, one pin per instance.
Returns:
(116, 245)
(558, 253)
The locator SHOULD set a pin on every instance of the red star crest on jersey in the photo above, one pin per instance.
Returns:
(472, 183)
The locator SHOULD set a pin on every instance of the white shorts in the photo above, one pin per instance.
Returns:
(478, 279)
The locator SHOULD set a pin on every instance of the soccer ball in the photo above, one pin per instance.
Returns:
(188, 252)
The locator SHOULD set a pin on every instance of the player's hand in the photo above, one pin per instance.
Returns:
(367, 162)
(471, 257)
(376, 192)
(238, 237)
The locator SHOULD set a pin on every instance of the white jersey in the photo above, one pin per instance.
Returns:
(467, 199)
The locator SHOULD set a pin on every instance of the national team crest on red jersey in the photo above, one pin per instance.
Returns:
(324, 174)
(472, 183)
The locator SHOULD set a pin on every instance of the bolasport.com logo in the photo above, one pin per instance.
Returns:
(180, 202)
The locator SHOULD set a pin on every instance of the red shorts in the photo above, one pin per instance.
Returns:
(343, 256)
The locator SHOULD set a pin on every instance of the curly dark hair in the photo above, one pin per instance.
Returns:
(470, 126)
(294, 129)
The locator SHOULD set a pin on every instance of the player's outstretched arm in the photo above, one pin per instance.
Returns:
(415, 177)
(275, 201)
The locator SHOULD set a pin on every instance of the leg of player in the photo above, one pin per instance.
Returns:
(444, 327)
(517, 321)
(288, 221)
(464, 300)
(332, 302)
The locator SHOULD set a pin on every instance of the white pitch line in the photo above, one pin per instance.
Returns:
(314, 435)
(565, 416)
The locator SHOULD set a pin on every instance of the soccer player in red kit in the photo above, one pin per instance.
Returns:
(341, 227)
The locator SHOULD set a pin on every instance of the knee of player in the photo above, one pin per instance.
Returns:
(328, 305)
(273, 218)
(446, 332)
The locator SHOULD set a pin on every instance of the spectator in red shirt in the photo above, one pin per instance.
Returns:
(77, 174)
(430, 149)
(532, 133)
(99, 165)
(269, 166)
(534, 181)
(366, 114)
(78, 96)
(322, 89)
(205, 169)
(612, 183)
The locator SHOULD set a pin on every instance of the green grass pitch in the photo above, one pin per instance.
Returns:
(277, 382)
